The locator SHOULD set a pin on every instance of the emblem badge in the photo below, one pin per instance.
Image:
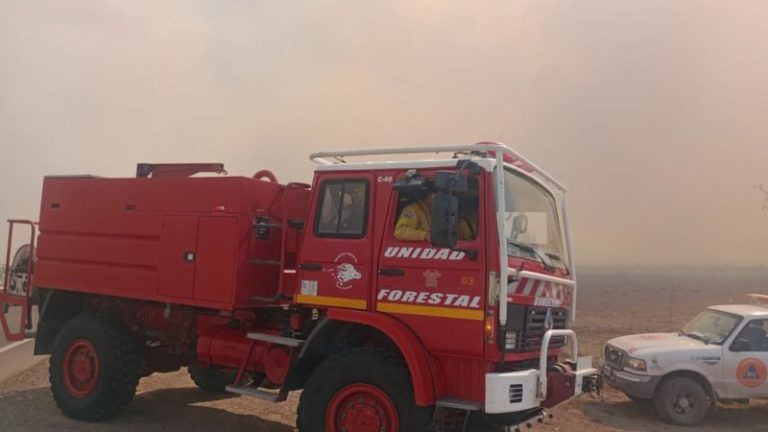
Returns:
(345, 272)
(431, 278)
(549, 323)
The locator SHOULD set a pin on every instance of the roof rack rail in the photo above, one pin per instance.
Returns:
(516, 159)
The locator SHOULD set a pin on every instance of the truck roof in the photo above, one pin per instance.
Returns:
(742, 309)
(481, 150)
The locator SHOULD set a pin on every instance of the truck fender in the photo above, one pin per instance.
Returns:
(411, 348)
(55, 309)
(694, 373)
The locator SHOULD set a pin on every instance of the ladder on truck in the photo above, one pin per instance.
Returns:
(243, 387)
(10, 300)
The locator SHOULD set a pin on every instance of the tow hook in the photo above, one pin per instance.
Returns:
(592, 384)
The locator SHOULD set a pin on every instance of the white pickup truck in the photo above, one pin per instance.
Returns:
(719, 356)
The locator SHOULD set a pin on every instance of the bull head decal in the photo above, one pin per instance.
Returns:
(345, 272)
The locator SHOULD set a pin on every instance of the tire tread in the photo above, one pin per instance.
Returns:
(382, 365)
(120, 368)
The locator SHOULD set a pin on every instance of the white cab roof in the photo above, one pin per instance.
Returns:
(742, 309)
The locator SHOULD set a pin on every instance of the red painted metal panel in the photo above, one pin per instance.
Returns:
(437, 286)
(178, 246)
(336, 255)
(216, 252)
(462, 377)
(416, 357)
(126, 237)
(134, 282)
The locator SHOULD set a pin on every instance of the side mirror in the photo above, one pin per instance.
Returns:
(519, 225)
(445, 213)
(740, 345)
(447, 181)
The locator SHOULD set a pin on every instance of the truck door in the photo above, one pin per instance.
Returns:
(746, 361)
(178, 246)
(438, 292)
(335, 260)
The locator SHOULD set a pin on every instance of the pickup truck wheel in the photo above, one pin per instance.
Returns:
(681, 401)
(361, 390)
(94, 368)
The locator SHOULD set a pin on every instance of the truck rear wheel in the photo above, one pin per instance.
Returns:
(361, 390)
(681, 401)
(94, 368)
(211, 378)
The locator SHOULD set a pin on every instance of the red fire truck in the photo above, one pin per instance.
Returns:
(260, 288)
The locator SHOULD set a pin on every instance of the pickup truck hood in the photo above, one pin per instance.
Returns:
(657, 343)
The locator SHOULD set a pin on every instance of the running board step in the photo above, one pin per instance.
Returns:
(279, 340)
(459, 404)
(257, 393)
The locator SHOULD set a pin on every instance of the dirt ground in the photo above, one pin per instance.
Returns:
(612, 302)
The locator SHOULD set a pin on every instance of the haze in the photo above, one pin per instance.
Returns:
(653, 113)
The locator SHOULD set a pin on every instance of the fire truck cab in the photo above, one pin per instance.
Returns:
(399, 295)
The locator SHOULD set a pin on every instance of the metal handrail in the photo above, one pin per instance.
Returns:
(541, 392)
(7, 298)
(539, 276)
(321, 157)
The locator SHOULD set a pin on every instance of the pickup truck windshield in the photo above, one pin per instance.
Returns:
(537, 230)
(711, 326)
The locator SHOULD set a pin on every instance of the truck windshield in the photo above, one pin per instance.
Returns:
(711, 326)
(530, 220)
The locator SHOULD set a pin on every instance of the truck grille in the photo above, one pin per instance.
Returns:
(526, 326)
(614, 357)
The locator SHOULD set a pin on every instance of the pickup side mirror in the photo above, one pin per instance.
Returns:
(445, 213)
(740, 345)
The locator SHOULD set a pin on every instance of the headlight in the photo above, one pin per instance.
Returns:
(636, 364)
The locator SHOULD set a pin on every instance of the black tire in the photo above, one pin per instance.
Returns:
(638, 400)
(118, 371)
(681, 401)
(376, 368)
(211, 378)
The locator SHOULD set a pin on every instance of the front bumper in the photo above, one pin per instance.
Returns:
(510, 392)
(632, 384)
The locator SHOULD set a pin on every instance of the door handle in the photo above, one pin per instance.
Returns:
(392, 272)
(311, 266)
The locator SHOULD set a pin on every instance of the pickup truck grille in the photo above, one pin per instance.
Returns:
(526, 326)
(614, 357)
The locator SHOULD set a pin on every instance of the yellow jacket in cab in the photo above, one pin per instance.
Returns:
(415, 221)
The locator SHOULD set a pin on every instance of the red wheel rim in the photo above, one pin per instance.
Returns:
(80, 368)
(361, 408)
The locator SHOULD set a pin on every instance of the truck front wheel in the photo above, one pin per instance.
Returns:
(681, 401)
(94, 368)
(361, 390)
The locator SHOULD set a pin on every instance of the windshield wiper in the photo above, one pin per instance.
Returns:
(557, 257)
(695, 335)
(536, 251)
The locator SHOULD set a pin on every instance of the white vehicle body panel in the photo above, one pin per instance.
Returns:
(732, 374)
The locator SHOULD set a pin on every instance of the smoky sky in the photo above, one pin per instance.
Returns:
(653, 113)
